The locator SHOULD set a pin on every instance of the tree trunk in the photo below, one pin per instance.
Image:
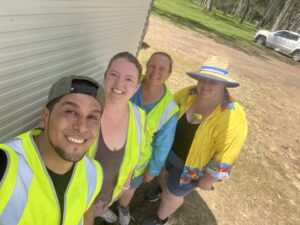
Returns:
(239, 9)
(229, 6)
(245, 12)
(234, 9)
(248, 13)
(267, 14)
(280, 16)
(208, 4)
(293, 16)
(295, 21)
(290, 16)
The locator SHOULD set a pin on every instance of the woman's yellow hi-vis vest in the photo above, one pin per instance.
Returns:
(135, 155)
(155, 119)
(28, 195)
(161, 113)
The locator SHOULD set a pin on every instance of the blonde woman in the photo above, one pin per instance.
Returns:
(121, 136)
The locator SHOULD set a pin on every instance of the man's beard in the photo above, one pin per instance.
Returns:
(63, 153)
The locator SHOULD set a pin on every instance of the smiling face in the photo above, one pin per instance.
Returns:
(121, 80)
(158, 69)
(71, 126)
(210, 89)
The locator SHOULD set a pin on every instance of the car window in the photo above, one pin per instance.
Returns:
(282, 34)
(293, 37)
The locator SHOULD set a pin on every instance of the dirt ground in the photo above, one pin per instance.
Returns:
(264, 187)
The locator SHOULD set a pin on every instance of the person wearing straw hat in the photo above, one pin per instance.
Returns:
(210, 133)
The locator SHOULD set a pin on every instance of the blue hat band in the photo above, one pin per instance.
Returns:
(215, 70)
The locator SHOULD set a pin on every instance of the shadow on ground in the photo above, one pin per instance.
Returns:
(189, 214)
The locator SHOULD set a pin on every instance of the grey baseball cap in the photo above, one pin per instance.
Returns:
(76, 84)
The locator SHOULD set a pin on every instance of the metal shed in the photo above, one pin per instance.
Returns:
(42, 40)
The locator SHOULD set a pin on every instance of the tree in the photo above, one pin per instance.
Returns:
(208, 4)
(267, 13)
(239, 9)
(276, 14)
(229, 5)
(245, 11)
(281, 15)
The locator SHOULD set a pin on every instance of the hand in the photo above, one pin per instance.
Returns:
(89, 216)
(206, 182)
(148, 177)
(126, 187)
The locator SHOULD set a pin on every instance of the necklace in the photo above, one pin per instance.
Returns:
(196, 118)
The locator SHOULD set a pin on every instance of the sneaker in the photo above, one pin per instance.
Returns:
(155, 221)
(109, 216)
(124, 215)
(154, 194)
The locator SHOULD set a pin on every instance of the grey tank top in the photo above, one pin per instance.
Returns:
(110, 162)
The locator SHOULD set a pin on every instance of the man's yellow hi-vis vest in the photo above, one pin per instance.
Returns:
(27, 194)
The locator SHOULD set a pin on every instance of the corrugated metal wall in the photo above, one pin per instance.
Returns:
(41, 41)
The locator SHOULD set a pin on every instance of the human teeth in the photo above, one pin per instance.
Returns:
(75, 140)
(117, 91)
(155, 77)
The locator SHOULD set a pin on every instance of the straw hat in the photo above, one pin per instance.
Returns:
(215, 68)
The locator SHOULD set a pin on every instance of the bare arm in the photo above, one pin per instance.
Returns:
(206, 182)
(89, 216)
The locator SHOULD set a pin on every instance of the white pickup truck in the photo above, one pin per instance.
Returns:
(284, 41)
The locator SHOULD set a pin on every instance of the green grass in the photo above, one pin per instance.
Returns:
(221, 27)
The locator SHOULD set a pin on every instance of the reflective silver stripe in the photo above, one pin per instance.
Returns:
(80, 223)
(166, 114)
(14, 209)
(138, 167)
(16, 145)
(137, 117)
(91, 176)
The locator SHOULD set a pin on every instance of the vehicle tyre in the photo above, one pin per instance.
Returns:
(261, 40)
(296, 55)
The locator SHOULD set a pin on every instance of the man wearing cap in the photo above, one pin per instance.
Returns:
(44, 176)
(210, 133)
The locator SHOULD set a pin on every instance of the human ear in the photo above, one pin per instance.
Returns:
(44, 117)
